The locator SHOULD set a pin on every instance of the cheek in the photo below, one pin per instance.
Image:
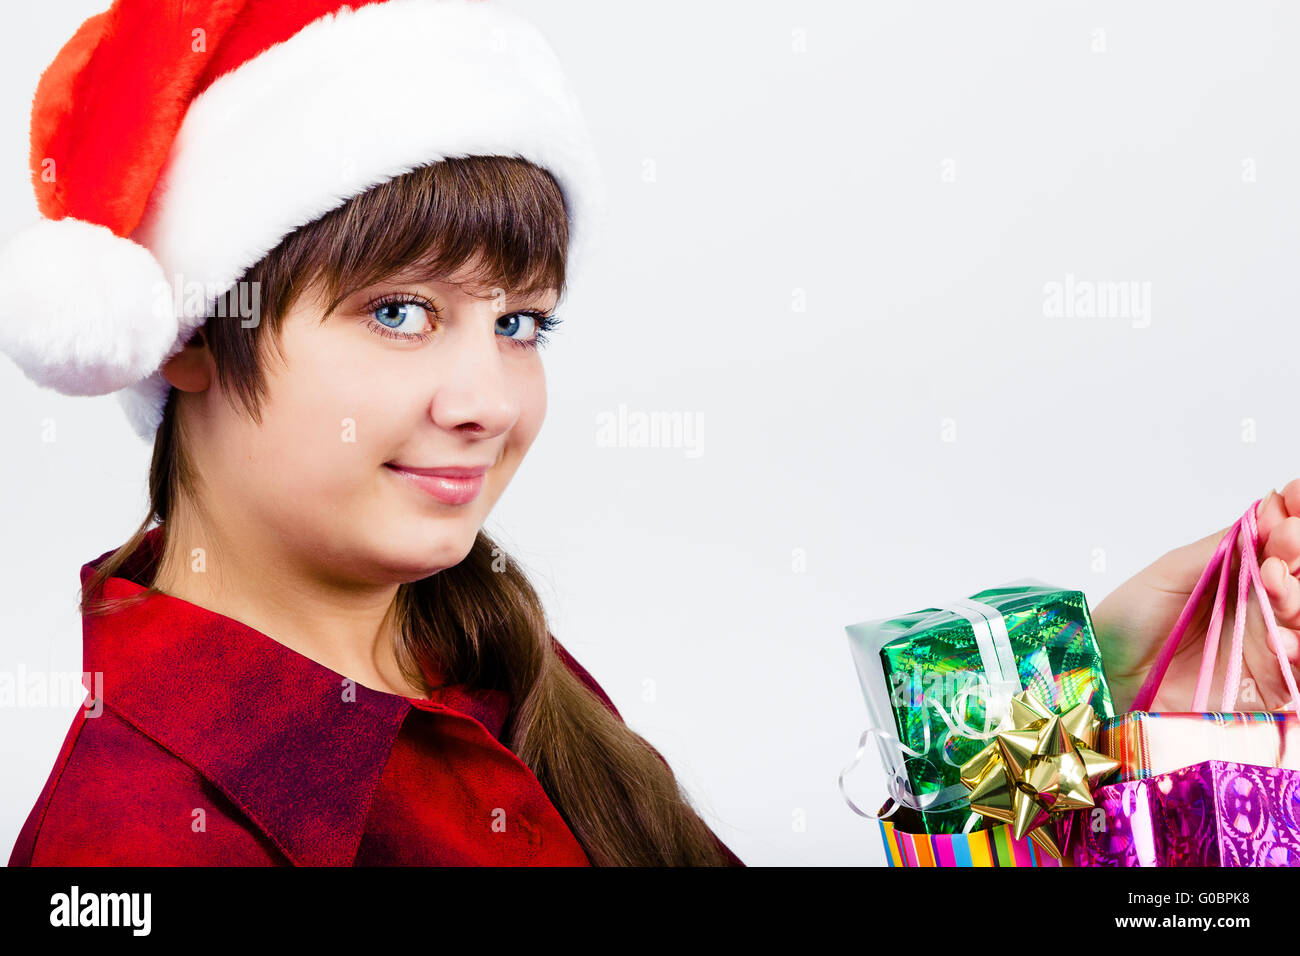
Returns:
(532, 410)
(324, 424)
(328, 427)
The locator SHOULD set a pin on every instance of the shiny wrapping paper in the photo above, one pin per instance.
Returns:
(1038, 773)
(1147, 744)
(1214, 813)
(907, 844)
(905, 663)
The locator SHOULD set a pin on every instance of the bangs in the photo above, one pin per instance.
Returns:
(500, 218)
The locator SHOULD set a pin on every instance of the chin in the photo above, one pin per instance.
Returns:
(420, 560)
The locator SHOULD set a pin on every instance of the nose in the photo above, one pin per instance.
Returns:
(473, 389)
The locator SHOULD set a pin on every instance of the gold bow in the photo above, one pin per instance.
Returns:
(1034, 775)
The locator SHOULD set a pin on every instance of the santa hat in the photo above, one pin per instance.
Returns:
(174, 143)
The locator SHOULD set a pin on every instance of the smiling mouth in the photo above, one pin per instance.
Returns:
(451, 471)
(453, 486)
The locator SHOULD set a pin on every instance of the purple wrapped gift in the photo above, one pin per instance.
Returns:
(1213, 813)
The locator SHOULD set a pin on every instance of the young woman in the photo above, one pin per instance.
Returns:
(309, 652)
(316, 656)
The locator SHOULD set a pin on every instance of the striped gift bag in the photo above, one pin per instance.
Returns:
(992, 847)
(1150, 744)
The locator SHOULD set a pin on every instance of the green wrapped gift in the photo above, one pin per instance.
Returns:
(941, 679)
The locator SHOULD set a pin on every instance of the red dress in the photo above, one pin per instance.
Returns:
(213, 744)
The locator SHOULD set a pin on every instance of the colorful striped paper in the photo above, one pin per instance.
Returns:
(992, 847)
(1149, 744)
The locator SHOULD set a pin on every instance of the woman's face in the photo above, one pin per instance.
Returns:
(382, 382)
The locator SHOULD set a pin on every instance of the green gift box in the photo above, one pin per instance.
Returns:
(941, 679)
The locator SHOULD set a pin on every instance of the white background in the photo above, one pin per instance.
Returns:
(831, 225)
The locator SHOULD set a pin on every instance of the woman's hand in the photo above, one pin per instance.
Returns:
(1133, 621)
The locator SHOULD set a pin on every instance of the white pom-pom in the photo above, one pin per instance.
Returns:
(82, 310)
(143, 403)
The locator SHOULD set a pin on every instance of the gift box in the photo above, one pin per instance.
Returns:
(941, 679)
(1214, 813)
(908, 844)
(1148, 744)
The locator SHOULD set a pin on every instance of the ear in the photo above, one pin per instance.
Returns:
(192, 369)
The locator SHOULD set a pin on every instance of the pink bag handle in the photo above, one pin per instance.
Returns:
(1246, 534)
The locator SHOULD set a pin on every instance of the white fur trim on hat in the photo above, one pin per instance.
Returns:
(350, 101)
(83, 310)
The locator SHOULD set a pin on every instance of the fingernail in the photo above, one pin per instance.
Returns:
(1265, 576)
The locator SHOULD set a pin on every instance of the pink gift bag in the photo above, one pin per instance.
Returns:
(1156, 745)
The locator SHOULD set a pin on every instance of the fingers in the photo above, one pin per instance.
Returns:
(1263, 686)
(1290, 645)
(1284, 544)
(1283, 590)
(1291, 496)
(1274, 509)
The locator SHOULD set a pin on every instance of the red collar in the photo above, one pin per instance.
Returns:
(267, 726)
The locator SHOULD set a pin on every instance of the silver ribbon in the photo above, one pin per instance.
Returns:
(897, 782)
(1003, 681)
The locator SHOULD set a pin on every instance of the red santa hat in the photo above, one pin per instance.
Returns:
(174, 143)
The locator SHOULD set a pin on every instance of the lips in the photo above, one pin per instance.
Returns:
(466, 472)
(453, 486)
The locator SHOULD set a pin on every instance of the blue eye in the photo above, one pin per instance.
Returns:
(404, 317)
(408, 316)
(534, 324)
(508, 325)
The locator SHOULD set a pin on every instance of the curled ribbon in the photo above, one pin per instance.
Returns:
(897, 782)
(1000, 682)
(997, 705)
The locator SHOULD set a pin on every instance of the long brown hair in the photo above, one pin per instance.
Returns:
(479, 622)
